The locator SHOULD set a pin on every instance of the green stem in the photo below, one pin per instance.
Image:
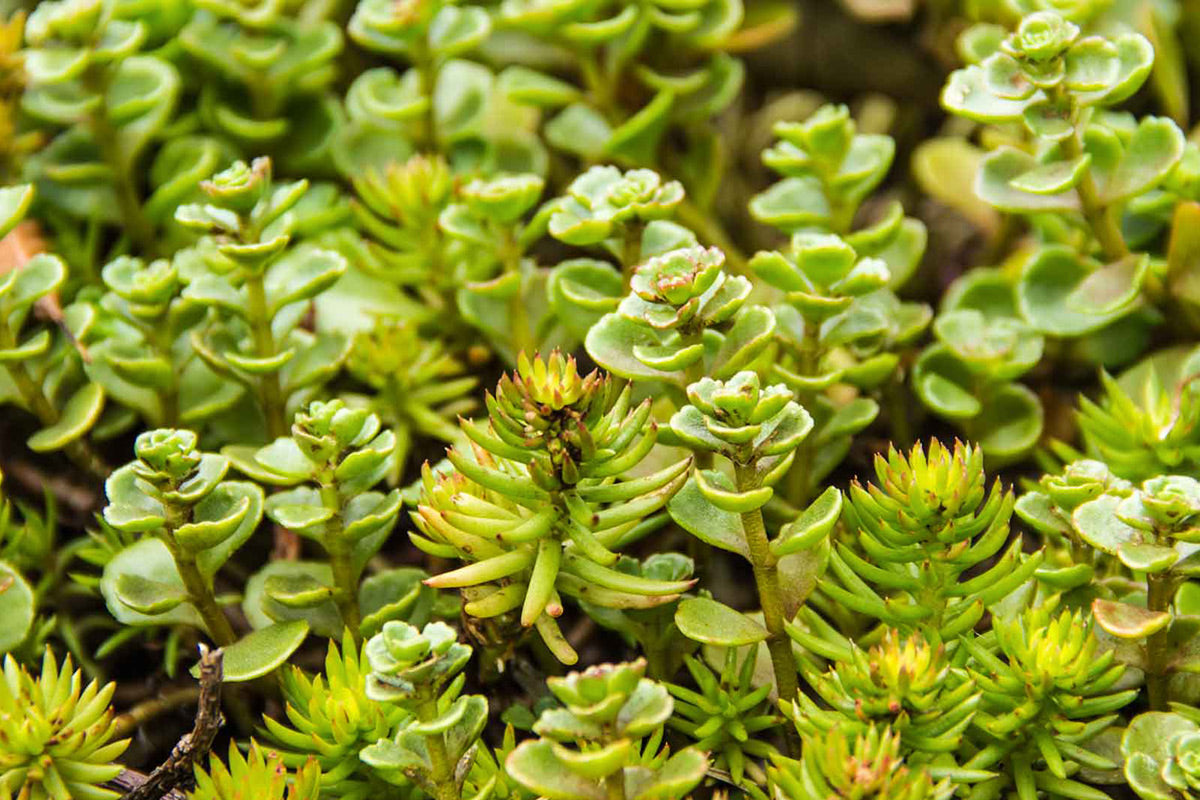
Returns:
(341, 563)
(445, 787)
(129, 204)
(269, 390)
(200, 595)
(1160, 588)
(1099, 218)
(799, 477)
(770, 596)
(614, 785)
(897, 398)
(79, 451)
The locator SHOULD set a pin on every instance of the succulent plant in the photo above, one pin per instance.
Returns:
(255, 774)
(419, 387)
(757, 429)
(1141, 434)
(333, 458)
(419, 670)
(1048, 690)
(1160, 755)
(258, 289)
(1084, 163)
(42, 370)
(106, 101)
(591, 747)
(331, 719)
(683, 318)
(537, 505)
(829, 169)
(915, 532)
(904, 684)
(196, 521)
(58, 736)
(969, 376)
(724, 712)
(839, 328)
(1151, 531)
(138, 346)
(263, 76)
(869, 766)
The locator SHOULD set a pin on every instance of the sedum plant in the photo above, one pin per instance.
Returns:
(912, 535)
(331, 720)
(419, 670)
(257, 289)
(294, 238)
(333, 458)
(1048, 691)
(256, 774)
(537, 507)
(1159, 749)
(869, 765)
(839, 327)
(58, 733)
(724, 714)
(1075, 159)
(905, 685)
(604, 742)
(756, 429)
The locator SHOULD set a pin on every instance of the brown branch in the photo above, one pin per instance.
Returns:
(177, 769)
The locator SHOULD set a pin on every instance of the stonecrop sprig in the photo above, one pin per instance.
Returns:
(522, 399)
(58, 735)
(537, 506)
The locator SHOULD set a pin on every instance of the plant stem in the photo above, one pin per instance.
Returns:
(1159, 590)
(445, 787)
(201, 597)
(341, 562)
(770, 596)
(270, 393)
(614, 785)
(79, 451)
(1099, 218)
(133, 220)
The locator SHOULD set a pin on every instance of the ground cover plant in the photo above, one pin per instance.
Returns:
(599, 399)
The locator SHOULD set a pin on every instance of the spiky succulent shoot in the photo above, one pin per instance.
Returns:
(257, 774)
(590, 748)
(539, 505)
(331, 719)
(927, 520)
(420, 671)
(177, 494)
(903, 683)
(419, 387)
(866, 765)
(399, 207)
(684, 317)
(333, 457)
(1047, 689)
(56, 734)
(725, 713)
(1143, 434)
